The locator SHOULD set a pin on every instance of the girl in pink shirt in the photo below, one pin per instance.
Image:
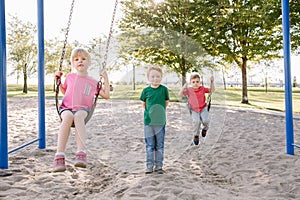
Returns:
(79, 90)
(197, 103)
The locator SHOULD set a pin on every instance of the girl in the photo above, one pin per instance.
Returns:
(79, 90)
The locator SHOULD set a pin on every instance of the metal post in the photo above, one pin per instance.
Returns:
(287, 77)
(41, 86)
(3, 91)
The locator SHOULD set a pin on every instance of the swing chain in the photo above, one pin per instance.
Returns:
(109, 36)
(66, 36)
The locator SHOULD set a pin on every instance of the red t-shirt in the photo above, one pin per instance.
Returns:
(196, 97)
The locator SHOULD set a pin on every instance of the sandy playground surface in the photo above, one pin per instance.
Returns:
(242, 158)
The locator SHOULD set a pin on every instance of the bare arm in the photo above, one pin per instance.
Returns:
(212, 84)
(57, 76)
(144, 104)
(182, 89)
(105, 91)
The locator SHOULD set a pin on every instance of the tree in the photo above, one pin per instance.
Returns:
(240, 31)
(236, 31)
(295, 25)
(159, 34)
(22, 49)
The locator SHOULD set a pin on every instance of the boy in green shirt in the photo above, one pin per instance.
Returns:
(155, 99)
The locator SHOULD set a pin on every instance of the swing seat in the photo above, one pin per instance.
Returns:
(88, 117)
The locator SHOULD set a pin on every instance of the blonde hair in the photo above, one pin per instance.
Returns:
(80, 52)
(156, 68)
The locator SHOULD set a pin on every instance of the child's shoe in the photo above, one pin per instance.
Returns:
(59, 163)
(159, 170)
(149, 170)
(203, 133)
(80, 159)
(196, 140)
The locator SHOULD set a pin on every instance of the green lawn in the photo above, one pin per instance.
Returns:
(274, 99)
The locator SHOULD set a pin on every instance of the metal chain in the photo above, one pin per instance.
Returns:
(109, 35)
(66, 36)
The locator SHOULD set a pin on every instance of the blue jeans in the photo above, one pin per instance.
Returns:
(154, 139)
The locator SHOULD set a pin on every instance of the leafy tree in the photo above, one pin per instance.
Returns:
(240, 31)
(159, 33)
(295, 25)
(236, 31)
(22, 49)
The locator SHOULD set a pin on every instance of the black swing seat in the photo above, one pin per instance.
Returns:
(88, 117)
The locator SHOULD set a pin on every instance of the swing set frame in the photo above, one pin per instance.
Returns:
(41, 139)
(290, 145)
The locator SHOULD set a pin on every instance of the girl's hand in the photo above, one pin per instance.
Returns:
(57, 75)
(103, 74)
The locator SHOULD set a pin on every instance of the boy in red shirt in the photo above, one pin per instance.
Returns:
(197, 103)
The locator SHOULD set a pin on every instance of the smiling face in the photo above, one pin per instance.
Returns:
(155, 77)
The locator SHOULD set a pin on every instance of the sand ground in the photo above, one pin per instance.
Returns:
(242, 158)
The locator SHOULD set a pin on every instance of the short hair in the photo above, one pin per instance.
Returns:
(194, 75)
(156, 68)
(80, 51)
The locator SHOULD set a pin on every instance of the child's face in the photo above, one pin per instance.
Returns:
(81, 63)
(195, 83)
(155, 77)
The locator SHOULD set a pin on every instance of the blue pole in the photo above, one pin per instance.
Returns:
(41, 78)
(3, 91)
(287, 78)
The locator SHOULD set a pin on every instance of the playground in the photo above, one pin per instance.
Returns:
(247, 153)
(247, 162)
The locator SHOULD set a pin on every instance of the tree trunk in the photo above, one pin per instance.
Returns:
(25, 89)
(183, 78)
(244, 81)
(266, 84)
(183, 72)
(224, 81)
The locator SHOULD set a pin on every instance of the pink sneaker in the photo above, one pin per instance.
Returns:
(59, 163)
(80, 159)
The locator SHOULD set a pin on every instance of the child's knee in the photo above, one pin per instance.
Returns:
(196, 122)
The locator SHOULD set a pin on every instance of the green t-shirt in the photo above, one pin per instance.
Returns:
(155, 110)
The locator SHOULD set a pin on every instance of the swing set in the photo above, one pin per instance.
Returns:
(290, 145)
(99, 85)
(41, 95)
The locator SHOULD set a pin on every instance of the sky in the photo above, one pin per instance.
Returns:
(91, 18)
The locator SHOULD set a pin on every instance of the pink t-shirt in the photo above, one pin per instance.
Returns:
(80, 92)
(196, 98)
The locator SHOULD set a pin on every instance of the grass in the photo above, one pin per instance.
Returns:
(273, 99)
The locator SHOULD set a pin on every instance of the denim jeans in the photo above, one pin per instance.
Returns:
(154, 139)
